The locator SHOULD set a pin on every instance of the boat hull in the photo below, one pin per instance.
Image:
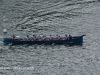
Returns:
(74, 40)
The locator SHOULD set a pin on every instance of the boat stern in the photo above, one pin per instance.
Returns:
(7, 41)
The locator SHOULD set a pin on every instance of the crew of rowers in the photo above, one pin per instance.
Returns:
(34, 38)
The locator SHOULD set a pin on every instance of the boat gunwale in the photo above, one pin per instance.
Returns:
(74, 39)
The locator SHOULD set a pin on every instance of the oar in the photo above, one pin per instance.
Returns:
(53, 44)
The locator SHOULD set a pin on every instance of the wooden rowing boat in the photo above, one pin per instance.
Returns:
(74, 40)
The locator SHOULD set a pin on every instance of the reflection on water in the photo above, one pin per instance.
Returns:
(42, 46)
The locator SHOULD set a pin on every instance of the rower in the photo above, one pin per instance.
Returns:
(13, 36)
(27, 38)
(42, 38)
(51, 37)
(57, 37)
(48, 38)
(65, 37)
(70, 37)
(34, 37)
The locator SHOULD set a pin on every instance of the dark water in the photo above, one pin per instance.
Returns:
(75, 17)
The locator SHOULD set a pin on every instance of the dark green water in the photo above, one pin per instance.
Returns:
(44, 17)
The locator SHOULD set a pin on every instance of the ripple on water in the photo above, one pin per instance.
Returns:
(52, 17)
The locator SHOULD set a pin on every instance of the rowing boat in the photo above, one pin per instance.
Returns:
(73, 40)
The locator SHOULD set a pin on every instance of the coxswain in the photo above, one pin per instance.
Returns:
(57, 36)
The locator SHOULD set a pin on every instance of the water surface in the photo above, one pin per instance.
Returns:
(44, 17)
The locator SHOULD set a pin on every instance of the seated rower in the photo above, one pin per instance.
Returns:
(57, 37)
(51, 38)
(34, 37)
(65, 37)
(70, 37)
(42, 38)
(13, 36)
(26, 38)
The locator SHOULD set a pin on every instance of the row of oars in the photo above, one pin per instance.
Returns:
(34, 44)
